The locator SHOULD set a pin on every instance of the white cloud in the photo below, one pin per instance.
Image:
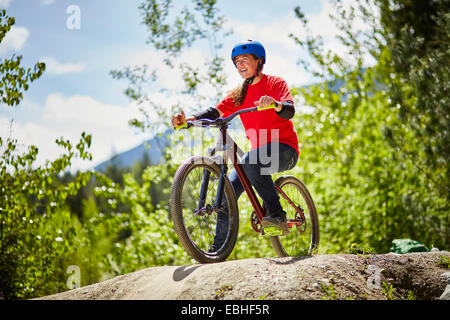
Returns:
(30, 133)
(168, 78)
(68, 117)
(321, 24)
(14, 40)
(288, 70)
(53, 66)
(86, 111)
(28, 105)
(47, 2)
(275, 33)
(4, 4)
(107, 123)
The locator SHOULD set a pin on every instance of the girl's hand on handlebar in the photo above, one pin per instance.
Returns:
(266, 101)
(180, 119)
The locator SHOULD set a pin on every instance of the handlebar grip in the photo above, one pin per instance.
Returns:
(272, 106)
(181, 126)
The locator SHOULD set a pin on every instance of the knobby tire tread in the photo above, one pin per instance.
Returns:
(314, 220)
(177, 216)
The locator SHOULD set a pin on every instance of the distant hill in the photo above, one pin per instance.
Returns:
(153, 148)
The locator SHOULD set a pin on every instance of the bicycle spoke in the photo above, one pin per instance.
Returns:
(200, 227)
(298, 241)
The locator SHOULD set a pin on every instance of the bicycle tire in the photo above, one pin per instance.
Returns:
(297, 243)
(183, 202)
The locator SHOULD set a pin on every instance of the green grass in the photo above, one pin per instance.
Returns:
(444, 261)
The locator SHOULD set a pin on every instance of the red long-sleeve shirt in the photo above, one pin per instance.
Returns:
(264, 126)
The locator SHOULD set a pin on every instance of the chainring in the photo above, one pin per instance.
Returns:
(256, 225)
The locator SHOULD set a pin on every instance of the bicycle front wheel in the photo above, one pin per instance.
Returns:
(303, 239)
(195, 216)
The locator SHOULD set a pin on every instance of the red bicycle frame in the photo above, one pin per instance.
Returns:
(231, 149)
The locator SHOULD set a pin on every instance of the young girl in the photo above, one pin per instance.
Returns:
(270, 132)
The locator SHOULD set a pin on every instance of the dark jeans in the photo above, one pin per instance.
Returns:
(258, 165)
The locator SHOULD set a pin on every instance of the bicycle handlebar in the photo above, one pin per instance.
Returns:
(220, 121)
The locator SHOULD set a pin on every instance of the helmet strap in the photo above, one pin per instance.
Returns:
(249, 81)
(258, 70)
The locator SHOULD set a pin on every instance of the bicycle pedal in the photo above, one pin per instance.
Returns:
(272, 231)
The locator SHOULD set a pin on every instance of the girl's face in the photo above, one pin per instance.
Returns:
(246, 65)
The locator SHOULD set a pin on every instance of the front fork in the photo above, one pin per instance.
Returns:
(204, 189)
(221, 186)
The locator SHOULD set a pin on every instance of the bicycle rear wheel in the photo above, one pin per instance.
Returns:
(304, 239)
(196, 228)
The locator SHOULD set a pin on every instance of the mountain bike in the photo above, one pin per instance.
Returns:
(201, 189)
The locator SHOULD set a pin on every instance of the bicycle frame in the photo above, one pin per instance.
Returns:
(231, 150)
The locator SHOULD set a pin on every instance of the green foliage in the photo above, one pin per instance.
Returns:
(411, 295)
(144, 235)
(374, 152)
(417, 35)
(172, 30)
(444, 262)
(220, 293)
(14, 78)
(37, 231)
(37, 235)
(390, 291)
(368, 190)
(355, 249)
(328, 291)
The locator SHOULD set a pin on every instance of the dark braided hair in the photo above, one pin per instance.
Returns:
(240, 92)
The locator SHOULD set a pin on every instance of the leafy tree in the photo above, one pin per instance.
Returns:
(366, 166)
(15, 79)
(143, 235)
(172, 31)
(417, 35)
(36, 232)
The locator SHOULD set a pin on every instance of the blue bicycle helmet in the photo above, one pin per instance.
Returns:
(250, 47)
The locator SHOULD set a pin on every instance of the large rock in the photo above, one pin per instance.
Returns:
(334, 276)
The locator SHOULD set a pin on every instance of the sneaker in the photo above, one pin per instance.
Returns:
(275, 225)
(214, 248)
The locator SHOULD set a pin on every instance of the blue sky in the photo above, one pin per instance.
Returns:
(77, 94)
